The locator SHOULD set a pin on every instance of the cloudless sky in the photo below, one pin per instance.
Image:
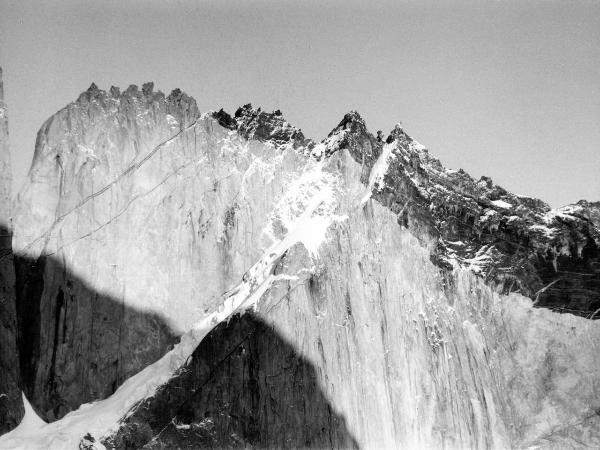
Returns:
(505, 89)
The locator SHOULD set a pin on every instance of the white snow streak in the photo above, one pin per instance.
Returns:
(315, 189)
(306, 211)
(501, 204)
(378, 171)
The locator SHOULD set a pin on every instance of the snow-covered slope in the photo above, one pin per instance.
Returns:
(385, 289)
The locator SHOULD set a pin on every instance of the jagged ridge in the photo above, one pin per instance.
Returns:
(388, 264)
(516, 242)
(267, 127)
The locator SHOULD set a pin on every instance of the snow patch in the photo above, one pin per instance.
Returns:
(328, 145)
(477, 263)
(172, 121)
(30, 424)
(316, 190)
(266, 170)
(418, 146)
(501, 204)
(379, 170)
(319, 150)
(561, 213)
(88, 151)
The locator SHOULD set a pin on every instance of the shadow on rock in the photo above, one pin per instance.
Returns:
(11, 406)
(75, 344)
(245, 387)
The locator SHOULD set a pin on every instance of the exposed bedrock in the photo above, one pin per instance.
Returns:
(11, 406)
(404, 361)
(130, 210)
(245, 386)
(410, 326)
(77, 344)
(516, 242)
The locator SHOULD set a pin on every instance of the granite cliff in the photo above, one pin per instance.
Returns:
(11, 408)
(215, 280)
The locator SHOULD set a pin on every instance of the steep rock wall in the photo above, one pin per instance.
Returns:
(177, 226)
(138, 218)
(78, 337)
(516, 242)
(11, 407)
(404, 359)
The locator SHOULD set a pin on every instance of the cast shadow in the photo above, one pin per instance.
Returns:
(11, 405)
(245, 387)
(74, 344)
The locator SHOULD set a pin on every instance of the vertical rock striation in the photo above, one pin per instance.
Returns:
(11, 407)
(407, 355)
(409, 323)
(80, 339)
(245, 387)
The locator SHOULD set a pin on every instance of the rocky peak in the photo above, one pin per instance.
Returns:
(143, 224)
(267, 127)
(352, 127)
(148, 88)
(96, 110)
(517, 242)
(352, 134)
(398, 134)
(586, 210)
(92, 93)
(178, 104)
(181, 106)
(115, 92)
(514, 241)
(351, 121)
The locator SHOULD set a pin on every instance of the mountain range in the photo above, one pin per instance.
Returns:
(178, 279)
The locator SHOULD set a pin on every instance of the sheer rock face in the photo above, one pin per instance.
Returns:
(407, 359)
(140, 212)
(5, 169)
(126, 209)
(79, 337)
(516, 242)
(11, 407)
(88, 144)
(245, 387)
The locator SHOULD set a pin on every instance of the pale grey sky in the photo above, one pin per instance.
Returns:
(505, 89)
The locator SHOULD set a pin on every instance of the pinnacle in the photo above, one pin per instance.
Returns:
(398, 133)
(148, 88)
(353, 116)
(176, 93)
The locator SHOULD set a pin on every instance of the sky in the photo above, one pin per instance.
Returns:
(500, 88)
